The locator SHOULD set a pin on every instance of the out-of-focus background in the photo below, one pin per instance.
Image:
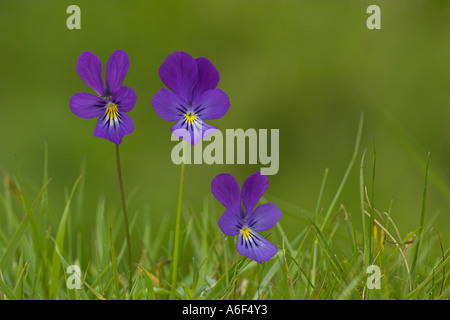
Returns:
(307, 68)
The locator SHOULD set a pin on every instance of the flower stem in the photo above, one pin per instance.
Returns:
(124, 207)
(225, 253)
(177, 234)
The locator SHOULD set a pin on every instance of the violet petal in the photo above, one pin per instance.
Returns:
(116, 69)
(226, 190)
(212, 104)
(253, 189)
(192, 132)
(125, 98)
(113, 131)
(86, 105)
(264, 217)
(230, 223)
(180, 74)
(89, 68)
(168, 105)
(208, 77)
(256, 247)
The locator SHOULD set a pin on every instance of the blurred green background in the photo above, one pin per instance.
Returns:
(307, 68)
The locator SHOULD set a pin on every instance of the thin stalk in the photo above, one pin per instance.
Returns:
(225, 253)
(421, 225)
(176, 247)
(125, 214)
(366, 237)
(372, 208)
(316, 220)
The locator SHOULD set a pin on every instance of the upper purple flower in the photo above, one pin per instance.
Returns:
(113, 99)
(241, 218)
(193, 97)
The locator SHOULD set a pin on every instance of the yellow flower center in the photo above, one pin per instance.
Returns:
(111, 111)
(246, 233)
(190, 117)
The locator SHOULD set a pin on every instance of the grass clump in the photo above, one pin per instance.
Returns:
(328, 258)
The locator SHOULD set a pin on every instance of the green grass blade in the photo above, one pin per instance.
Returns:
(413, 294)
(177, 234)
(114, 267)
(220, 288)
(13, 244)
(404, 241)
(350, 288)
(346, 174)
(422, 222)
(319, 198)
(65, 264)
(328, 249)
(30, 214)
(148, 281)
(59, 245)
(366, 237)
(372, 206)
(7, 291)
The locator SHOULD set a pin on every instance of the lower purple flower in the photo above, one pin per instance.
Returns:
(244, 220)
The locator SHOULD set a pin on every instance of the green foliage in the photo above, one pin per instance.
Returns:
(307, 68)
(327, 262)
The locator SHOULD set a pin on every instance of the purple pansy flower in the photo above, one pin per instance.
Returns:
(241, 218)
(113, 100)
(193, 97)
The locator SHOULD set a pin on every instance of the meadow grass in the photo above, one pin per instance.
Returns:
(326, 259)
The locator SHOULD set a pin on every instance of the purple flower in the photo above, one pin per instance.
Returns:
(113, 100)
(241, 218)
(193, 97)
